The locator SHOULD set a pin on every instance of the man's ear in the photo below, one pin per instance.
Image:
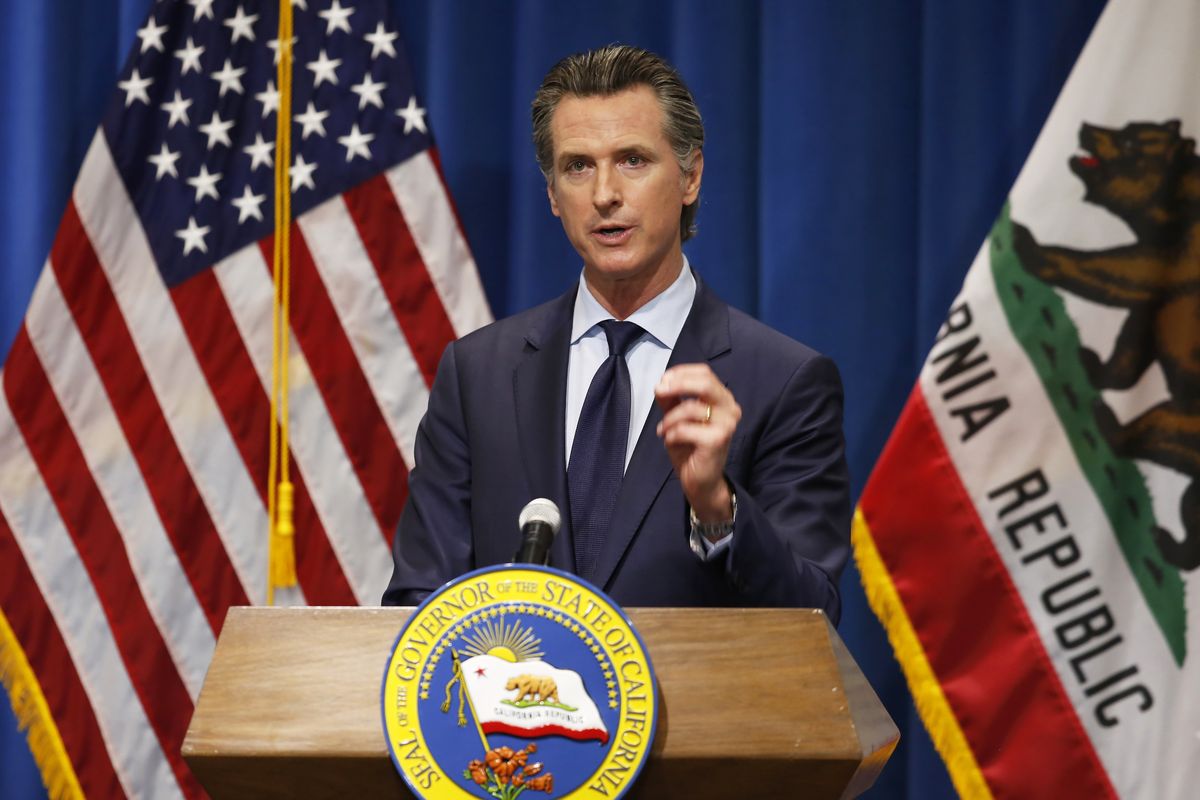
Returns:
(691, 183)
(553, 201)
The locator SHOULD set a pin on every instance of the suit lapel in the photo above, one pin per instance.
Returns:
(704, 336)
(539, 386)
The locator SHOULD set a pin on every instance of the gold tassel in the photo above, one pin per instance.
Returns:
(283, 541)
(926, 691)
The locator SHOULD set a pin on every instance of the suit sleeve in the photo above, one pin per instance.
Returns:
(791, 536)
(432, 543)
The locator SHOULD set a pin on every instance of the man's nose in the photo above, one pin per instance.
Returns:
(606, 192)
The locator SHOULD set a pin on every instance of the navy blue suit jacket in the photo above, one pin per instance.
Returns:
(492, 439)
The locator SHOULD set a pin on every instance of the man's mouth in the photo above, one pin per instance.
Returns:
(611, 234)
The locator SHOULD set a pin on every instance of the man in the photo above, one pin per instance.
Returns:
(697, 455)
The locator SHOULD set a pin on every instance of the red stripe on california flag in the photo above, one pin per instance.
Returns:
(230, 374)
(183, 513)
(84, 514)
(51, 661)
(973, 627)
(402, 274)
(352, 406)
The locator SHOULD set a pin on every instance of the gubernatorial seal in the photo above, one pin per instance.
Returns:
(519, 681)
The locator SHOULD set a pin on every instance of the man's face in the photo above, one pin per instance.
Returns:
(618, 188)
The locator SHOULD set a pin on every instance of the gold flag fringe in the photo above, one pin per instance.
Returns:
(927, 693)
(33, 716)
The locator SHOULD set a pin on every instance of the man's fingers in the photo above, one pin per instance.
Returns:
(691, 380)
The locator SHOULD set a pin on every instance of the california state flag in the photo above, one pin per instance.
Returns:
(530, 699)
(1031, 534)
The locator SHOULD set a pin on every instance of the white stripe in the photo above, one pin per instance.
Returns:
(366, 315)
(138, 760)
(336, 493)
(195, 420)
(153, 559)
(426, 207)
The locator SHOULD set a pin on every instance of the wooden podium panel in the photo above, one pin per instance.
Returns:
(755, 703)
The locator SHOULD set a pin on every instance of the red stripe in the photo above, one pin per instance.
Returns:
(30, 618)
(178, 503)
(972, 623)
(356, 415)
(245, 406)
(591, 734)
(102, 550)
(402, 274)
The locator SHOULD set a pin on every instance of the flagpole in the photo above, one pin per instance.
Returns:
(470, 704)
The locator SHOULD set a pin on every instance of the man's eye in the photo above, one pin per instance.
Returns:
(575, 166)
(634, 161)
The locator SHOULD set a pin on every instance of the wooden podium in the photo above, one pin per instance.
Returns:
(756, 703)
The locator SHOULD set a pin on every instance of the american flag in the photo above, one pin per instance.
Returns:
(134, 415)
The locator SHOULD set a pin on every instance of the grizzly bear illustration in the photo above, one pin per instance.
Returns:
(534, 688)
(1148, 175)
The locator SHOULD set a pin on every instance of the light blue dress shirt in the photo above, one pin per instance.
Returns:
(662, 318)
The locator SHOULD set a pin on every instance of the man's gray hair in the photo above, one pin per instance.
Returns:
(607, 71)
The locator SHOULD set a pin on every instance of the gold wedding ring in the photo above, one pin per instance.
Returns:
(708, 414)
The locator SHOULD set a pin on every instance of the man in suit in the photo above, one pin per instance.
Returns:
(696, 453)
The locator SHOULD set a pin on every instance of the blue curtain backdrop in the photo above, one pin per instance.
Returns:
(857, 154)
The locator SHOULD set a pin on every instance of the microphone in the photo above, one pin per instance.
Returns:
(540, 520)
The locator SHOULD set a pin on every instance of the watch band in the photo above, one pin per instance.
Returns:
(714, 531)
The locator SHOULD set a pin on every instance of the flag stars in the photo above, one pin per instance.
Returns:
(381, 41)
(151, 36)
(193, 236)
(356, 143)
(324, 69)
(269, 98)
(229, 78)
(135, 88)
(312, 120)
(259, 152)
(201, 8)
(217, 131)
(190, 56)
(369, 92)
(413, 116)
(178, 110)
(336, 18)
(248, 205)
(164, 162)
(302, 175)
(205, 184)
(241, 24)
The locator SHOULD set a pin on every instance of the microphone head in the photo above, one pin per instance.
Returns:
(541, 510)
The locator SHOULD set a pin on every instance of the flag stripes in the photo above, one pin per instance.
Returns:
(411, 293)
(340, 378)
(75, 612)
(157, 680)
(430, 216)
(109, 344)
(196, 424)
(47, 656)
(1005, 709)
(153, 557)
(135, 411)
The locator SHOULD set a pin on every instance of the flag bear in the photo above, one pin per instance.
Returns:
(1148, 175)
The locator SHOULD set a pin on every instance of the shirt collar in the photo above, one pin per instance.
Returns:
(662, 317)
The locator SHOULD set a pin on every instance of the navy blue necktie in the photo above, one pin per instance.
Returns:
(597, 462)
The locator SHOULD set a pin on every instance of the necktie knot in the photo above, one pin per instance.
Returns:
(621, 335)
